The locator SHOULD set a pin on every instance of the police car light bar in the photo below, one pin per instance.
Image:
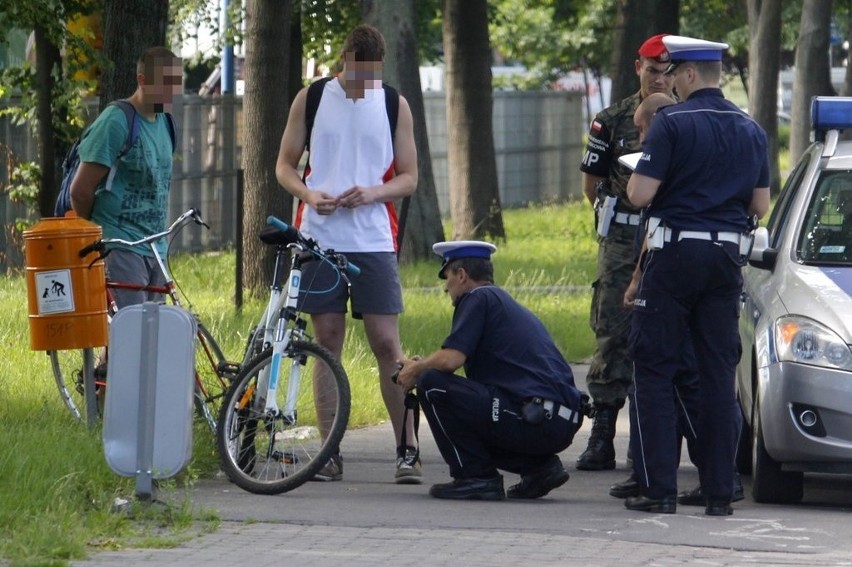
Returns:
(831, 113)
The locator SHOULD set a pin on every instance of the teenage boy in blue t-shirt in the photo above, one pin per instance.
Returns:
(136, 203)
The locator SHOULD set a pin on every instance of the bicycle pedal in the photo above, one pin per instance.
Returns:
(228, 368)
(288, 457)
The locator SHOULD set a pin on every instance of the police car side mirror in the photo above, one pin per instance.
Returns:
(762, 256)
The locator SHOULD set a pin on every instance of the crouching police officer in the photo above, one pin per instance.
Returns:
(518, 406)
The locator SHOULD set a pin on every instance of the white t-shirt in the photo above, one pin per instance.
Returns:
(351, 145)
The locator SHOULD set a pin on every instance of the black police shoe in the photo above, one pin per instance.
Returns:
(470, 489)
(718, 508)
(665, 505)
(695, 497)
(542, 481)
(625, 489)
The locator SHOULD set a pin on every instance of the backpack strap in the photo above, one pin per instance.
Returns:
(315, 90)
(391, 107)
(132, 118)
(170, 122)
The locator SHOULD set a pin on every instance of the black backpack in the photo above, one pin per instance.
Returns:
(72, 161)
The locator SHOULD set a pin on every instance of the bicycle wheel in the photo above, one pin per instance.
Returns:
(211, 378)
(67, 367)
(269, 452)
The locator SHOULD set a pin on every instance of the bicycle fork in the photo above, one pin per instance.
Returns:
(284, 333)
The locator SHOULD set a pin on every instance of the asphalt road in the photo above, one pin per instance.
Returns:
(368, 520)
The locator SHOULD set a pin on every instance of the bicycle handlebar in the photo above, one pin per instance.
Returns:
(192, 214)
(292, 234)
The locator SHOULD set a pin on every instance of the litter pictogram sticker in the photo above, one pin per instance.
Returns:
(55, 294)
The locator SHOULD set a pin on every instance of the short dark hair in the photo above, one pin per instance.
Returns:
(708, 70)
(155, 57)
(478, 269)
(366, 42)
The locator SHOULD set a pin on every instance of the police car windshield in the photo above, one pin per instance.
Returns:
(826, 236)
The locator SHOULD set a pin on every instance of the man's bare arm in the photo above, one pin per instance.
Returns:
(83, 187)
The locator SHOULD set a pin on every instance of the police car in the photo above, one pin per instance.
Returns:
(794, 381)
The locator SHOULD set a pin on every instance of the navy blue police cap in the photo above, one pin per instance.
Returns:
(449, 251)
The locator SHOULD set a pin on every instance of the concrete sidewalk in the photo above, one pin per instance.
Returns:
(366, 519)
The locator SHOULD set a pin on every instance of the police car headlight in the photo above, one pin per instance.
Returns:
(803, 340)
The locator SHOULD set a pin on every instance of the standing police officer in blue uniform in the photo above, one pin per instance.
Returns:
(517, 407)
(704, 172)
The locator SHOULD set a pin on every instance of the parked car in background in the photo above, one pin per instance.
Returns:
(794, 381)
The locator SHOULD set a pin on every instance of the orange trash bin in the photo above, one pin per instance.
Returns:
(66, 296)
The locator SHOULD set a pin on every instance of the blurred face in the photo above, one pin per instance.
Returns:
(161, 83)
(652, 77)
(361, 75)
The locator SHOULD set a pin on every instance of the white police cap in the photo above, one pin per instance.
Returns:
(456, 249)
(683, 48)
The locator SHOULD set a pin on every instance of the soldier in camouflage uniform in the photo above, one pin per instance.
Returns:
(611, 135)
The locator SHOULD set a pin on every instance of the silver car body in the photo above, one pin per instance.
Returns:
(794, 381)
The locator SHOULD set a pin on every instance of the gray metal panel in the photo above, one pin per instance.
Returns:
(173, 365)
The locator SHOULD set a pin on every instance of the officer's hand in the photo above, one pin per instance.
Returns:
(630, 293)
(407, 376)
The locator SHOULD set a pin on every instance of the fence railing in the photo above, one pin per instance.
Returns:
(537, 140)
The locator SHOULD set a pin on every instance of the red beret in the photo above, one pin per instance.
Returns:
(655, 49)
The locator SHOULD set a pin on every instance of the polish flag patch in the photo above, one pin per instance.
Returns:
(596, 126)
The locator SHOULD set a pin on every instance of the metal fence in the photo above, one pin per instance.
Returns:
(537, 139)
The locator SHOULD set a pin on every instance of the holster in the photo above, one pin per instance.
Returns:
(606, 212)
(532, 411)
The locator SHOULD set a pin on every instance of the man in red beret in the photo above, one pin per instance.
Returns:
(613, 134)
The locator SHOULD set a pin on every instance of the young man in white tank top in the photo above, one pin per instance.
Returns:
(357, 168)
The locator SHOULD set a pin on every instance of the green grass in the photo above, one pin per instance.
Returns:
(57, 490)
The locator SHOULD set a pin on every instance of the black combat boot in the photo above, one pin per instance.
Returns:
(600, 454)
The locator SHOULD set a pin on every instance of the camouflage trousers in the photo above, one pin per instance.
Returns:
(611, 371)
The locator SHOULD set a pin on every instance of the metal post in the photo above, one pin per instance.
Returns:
(89, 387)
(227, 80)
(147, 401)
(238, 241)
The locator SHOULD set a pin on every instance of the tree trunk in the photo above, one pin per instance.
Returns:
(295, 78)
(265, 109)
(636, 21)
(764, 62)
(50, 158)
(472, 165)
(813, 75)
(420, 219)
(130, 27)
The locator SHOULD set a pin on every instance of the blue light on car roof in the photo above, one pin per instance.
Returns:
(831, 112)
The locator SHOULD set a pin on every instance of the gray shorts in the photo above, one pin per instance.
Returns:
(126, 266)
(375, 291)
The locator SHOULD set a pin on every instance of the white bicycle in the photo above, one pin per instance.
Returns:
(287, 410)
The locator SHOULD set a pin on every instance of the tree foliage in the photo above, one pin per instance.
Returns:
(326, 23)
(551, 37)
(47, 97)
